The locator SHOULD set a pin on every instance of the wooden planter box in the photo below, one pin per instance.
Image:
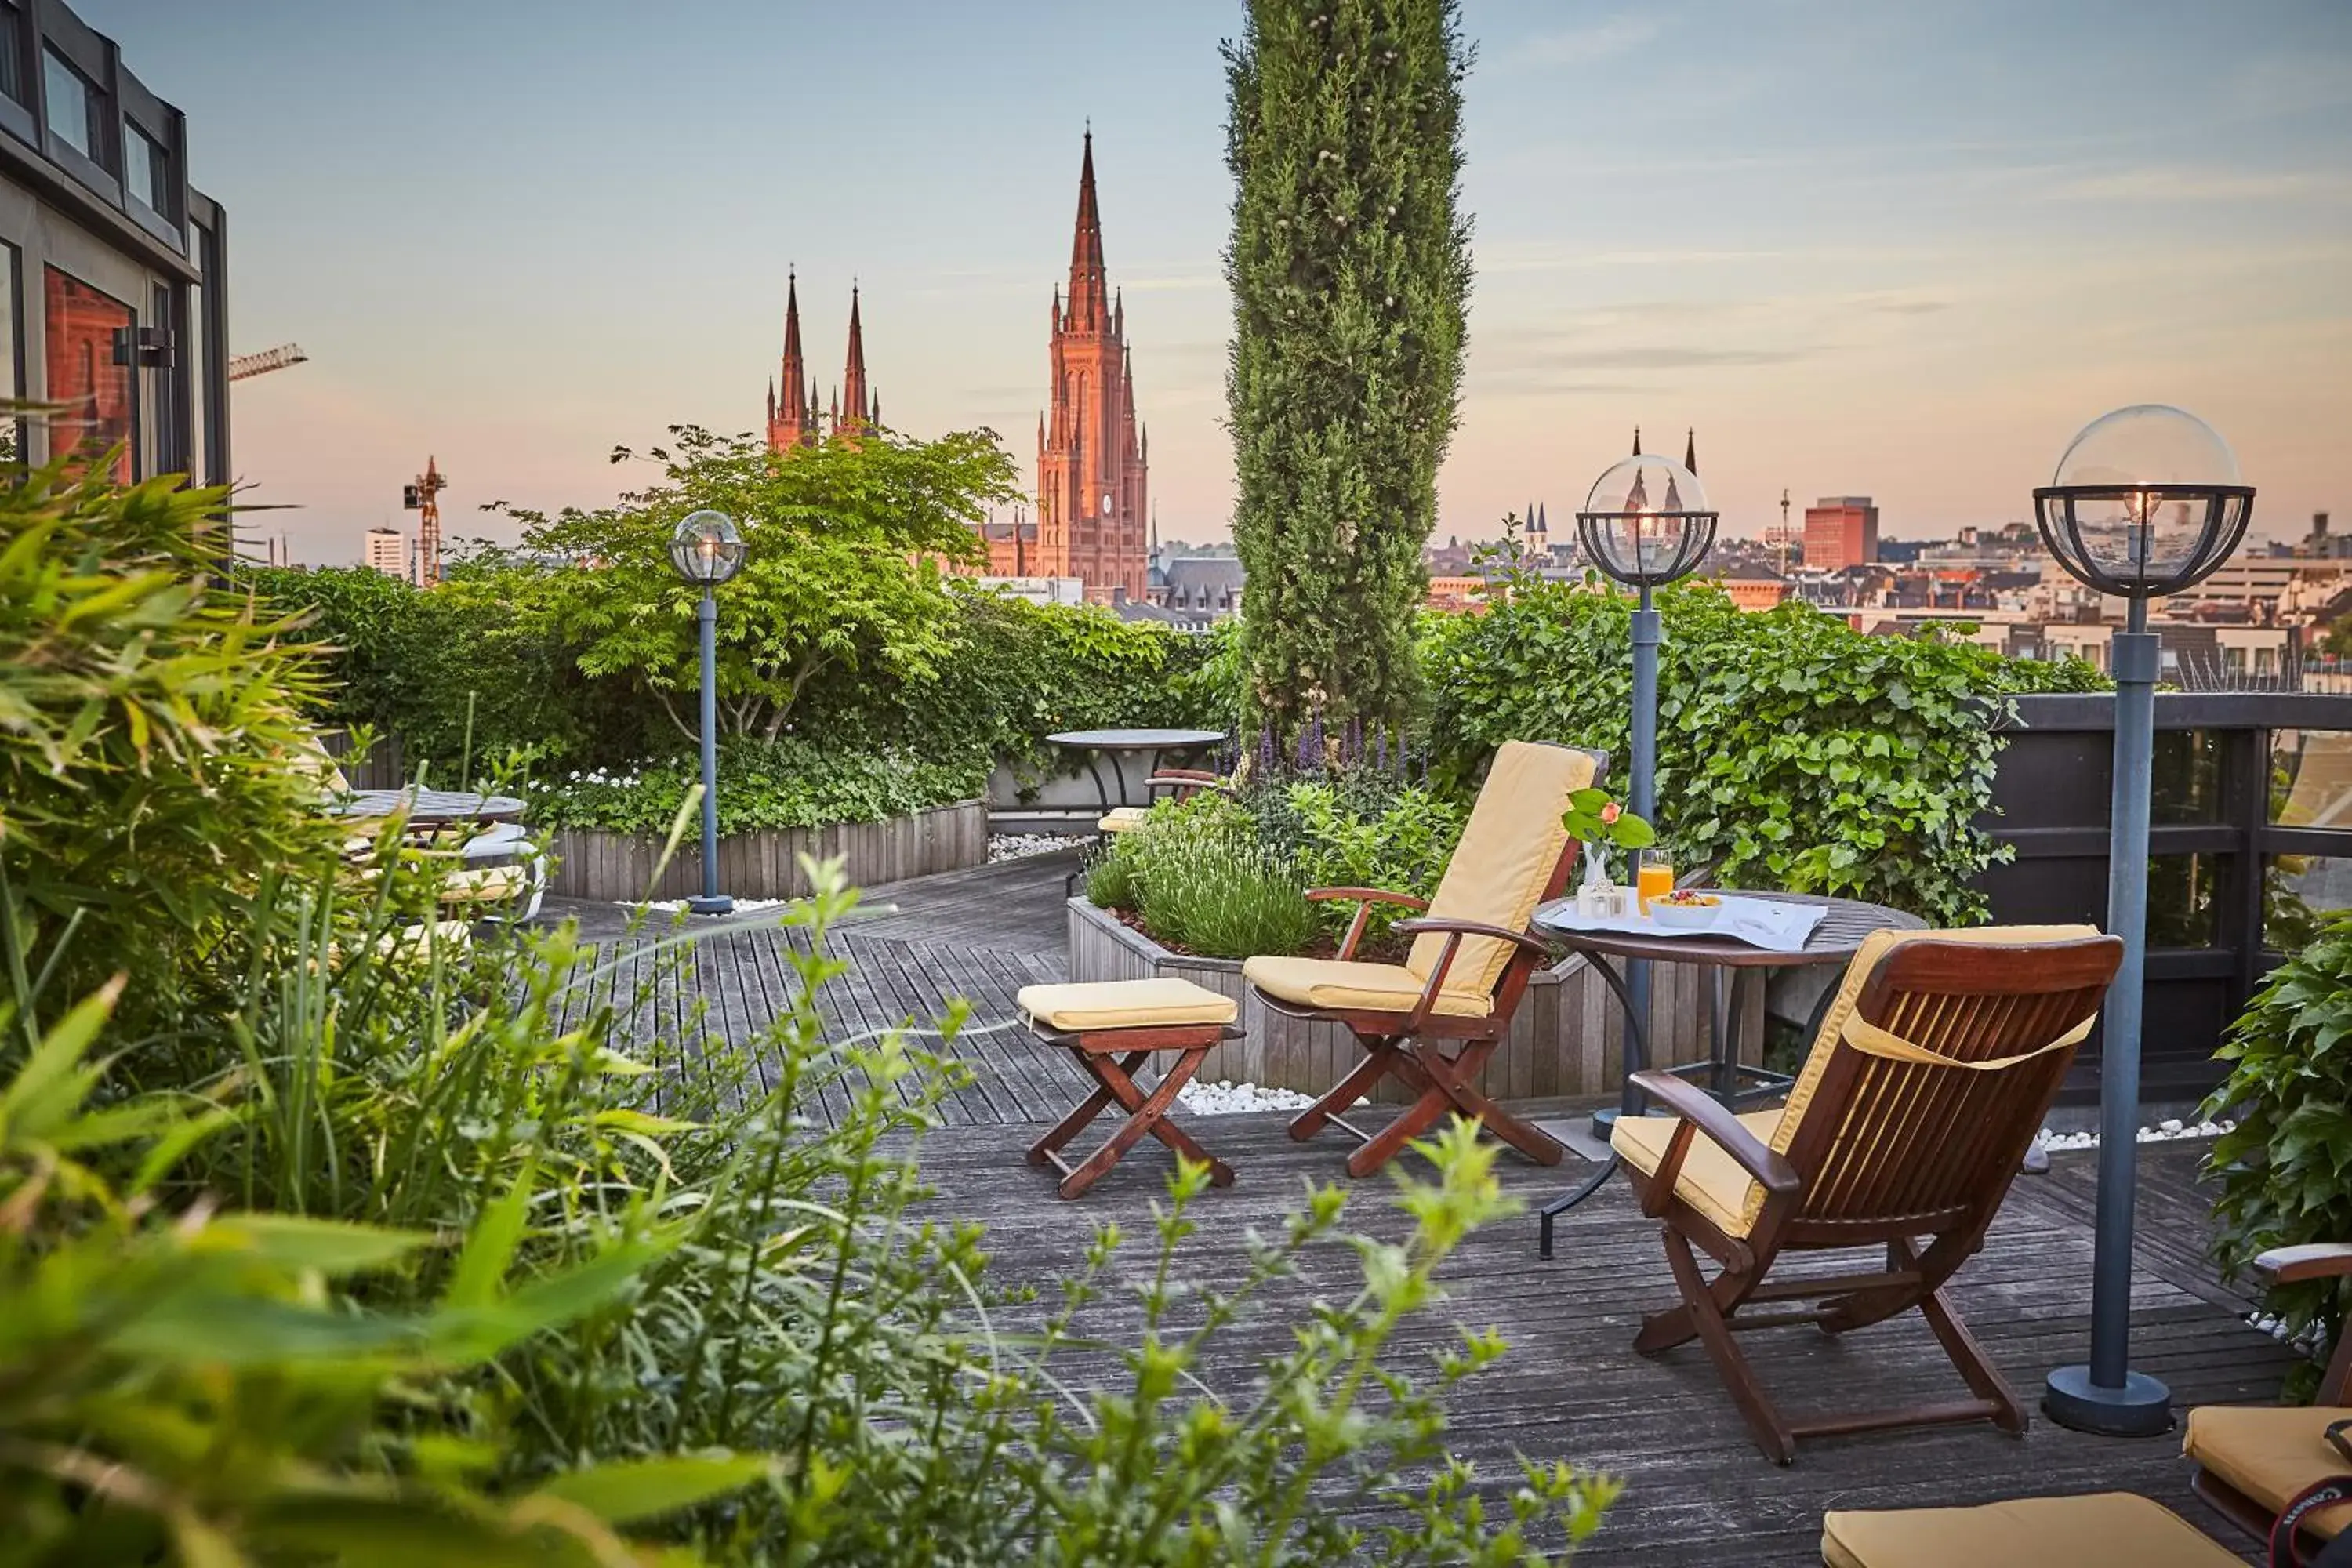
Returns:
(617, 867)
(1566, 1041)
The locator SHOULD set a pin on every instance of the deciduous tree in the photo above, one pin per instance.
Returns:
(843, 544)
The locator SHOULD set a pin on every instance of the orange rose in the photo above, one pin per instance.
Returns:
(1611, 812)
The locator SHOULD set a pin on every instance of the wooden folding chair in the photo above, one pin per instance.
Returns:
(2251, 1460)
(1933, 1069)
(1112, 1028)
(1470, 963)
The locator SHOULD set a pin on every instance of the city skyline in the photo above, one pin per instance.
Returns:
(1906, 256)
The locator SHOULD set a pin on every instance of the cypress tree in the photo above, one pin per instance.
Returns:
(1350, 264)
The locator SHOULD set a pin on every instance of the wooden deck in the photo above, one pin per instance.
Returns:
(1696, 1491)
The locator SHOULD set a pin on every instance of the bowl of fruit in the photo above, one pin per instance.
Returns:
(1685, 909)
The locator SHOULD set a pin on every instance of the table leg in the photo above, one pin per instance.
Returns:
(1629, 1103)
(1721, 982)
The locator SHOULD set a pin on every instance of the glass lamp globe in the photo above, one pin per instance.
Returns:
(2146, 502)
(1646, 521)
(706, 549)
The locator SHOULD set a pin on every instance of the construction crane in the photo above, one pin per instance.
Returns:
(242, 366)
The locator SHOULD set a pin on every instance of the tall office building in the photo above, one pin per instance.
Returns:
(387, 552)
(1841, 532)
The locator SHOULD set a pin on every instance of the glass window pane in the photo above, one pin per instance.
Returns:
(139, 155)
(12, 52)
(2188, 777)
(12, 362)
(2310, 778)
(92, 392)
(199, 383)
(2296, 891)
(2181, 894)
(69, 102)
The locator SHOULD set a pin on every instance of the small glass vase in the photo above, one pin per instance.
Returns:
(1598, 897)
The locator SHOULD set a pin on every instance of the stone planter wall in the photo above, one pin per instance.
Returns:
(612, 866)
(1566, 1041)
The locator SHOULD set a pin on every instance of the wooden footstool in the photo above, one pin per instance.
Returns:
(1112, 1027)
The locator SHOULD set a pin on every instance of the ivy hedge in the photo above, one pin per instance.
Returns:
(1793, 752)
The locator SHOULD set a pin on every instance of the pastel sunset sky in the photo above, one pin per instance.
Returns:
(1897, 249)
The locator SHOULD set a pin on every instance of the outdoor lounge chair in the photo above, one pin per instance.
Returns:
(1933, 1069)
(1470, 962)
(2251, 1462)
(1175, 784)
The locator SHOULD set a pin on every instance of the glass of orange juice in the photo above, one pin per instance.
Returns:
(1654, 877)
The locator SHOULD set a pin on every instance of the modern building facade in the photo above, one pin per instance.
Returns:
(1093, 456)
(115, 267)
(1841, 532)
(387, 552)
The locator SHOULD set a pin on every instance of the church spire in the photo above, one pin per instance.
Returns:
(1690, 451)
(1088, 308)
(795, 387)
(1637, 440)
(853, 394)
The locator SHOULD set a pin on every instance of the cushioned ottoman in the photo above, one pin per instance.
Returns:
(2026, 1532)
(1112, 1027)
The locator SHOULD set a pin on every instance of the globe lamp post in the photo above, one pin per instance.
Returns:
(2146, 502)
(1645, 523)
(707, 551)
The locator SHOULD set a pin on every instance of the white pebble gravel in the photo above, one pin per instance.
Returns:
(2163, 1131)
(671, 906)
(1021, 845)
(1230, 1099)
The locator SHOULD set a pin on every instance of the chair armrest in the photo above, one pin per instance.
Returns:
(2315, 1260)
(1415, 926)
(1189, 775)
(1701, 1111)
(1363, 898)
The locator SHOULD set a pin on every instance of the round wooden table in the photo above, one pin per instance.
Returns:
(1736, 965)
(1114, 743)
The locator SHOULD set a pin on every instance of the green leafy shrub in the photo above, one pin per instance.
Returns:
(1363, 830)
(157, 773)
(1020, 672)
(466, 670)
(1205, 883)
(2285, 1170)
(179, 1387)
(761, 784)
(1793, 752)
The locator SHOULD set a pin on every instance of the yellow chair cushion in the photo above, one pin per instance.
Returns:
(2270, 1454)
(1328, 983)
(1710, 1180)
(2022, 1533)
(1122, 1004)
(1506, 854)
(1122, 819)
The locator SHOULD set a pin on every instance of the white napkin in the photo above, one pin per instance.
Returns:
(1768, 923)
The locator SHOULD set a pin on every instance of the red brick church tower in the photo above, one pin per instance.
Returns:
(1092, 455)
(794, 417)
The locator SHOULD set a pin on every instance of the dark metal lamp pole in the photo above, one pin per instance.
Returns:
(2146, 502)
(707, 551)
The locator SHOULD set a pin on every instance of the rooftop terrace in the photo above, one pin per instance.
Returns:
(1572, 1386)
